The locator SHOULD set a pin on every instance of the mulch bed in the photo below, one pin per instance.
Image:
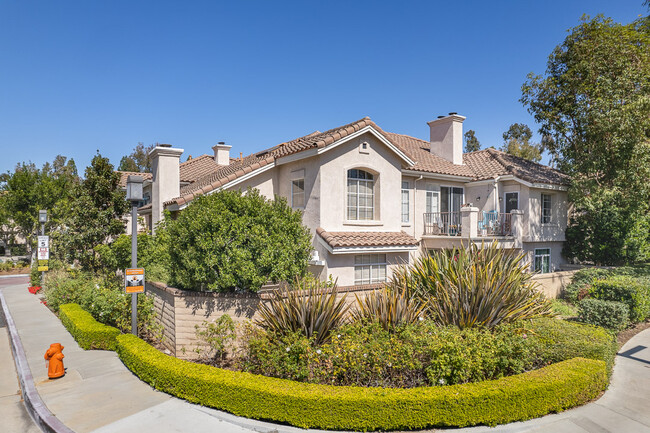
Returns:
(628, 333)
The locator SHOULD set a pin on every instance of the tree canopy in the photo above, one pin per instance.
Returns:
(471, 142)
(594, 102)
(29, 189)
(138, 160)
(517, 141)
(93, 216)
(233, 240)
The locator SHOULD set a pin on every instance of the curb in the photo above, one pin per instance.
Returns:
(33, 402)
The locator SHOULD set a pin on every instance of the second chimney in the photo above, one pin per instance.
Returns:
(221, 153)
(446, 137)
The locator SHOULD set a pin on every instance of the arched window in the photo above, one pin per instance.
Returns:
(361, 195)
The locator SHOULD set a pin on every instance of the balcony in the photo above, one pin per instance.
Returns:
(494, 224)
(443, 223)
(473, 224)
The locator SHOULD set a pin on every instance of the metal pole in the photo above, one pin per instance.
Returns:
(42, 272)
(134, 264)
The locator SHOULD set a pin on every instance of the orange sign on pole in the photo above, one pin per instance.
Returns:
(134, 280)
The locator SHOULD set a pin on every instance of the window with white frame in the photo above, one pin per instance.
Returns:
(361, 195)
(432, 199)
(298, 193)
(369, 268)
(405, 202)
(542, 260)
(546, 208)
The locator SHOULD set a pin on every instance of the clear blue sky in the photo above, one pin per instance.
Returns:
(81, 76)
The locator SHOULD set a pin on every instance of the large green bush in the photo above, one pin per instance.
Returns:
(233, 240)
(102, 297)
(366, 354)
(474, 286)
(634, 292)
(608, 314)
(550, 389)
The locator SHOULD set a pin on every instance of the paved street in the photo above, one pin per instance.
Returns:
(98, 394)
(13, 414)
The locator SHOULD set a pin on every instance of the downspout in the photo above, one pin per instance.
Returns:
(415, 205)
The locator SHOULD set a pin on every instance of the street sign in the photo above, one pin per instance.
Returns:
(43, 253)
(43, 248)
(134, 280)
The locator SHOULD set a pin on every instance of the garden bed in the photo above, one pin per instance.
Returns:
(550, 389)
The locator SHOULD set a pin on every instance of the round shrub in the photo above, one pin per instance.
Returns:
(230, 240)
(608, 314)
(634, 292)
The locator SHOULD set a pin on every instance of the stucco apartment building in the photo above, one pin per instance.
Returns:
(374, 199)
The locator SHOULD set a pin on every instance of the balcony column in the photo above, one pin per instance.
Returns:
(517, 225)
(469, 221)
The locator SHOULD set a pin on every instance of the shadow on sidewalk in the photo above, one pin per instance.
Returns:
(629, 354)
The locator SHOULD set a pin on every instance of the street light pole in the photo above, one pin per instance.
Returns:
(134, 195)
(42, 218)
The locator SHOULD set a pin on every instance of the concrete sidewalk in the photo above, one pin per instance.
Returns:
(99, 394)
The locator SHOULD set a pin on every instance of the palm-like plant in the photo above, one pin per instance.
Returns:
(475, 286)
(309, 308)
(391, 307)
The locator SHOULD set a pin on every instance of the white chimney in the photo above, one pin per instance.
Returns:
(221, 153)
(166, 183)
(446, 137)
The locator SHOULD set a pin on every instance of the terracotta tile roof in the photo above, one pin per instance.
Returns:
(240, 167)
(366, 239)
(196, 168)
(418, 151)
(208, 176)
(125, 174)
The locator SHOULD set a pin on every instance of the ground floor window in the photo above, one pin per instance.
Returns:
(369, 268)
(542, 260)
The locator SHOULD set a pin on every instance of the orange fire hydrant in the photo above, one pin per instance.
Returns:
(55, 356)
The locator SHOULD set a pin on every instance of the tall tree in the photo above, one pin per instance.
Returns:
(138, 160)
(94, 216)
(594, 101)
(517, 141)
(471, 142)
(28, 189)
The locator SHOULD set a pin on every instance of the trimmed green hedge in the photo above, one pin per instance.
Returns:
(89, 333)
(634, 292)
(533, 394)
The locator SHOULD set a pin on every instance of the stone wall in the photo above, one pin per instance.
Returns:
(553, 283)
(179, 311)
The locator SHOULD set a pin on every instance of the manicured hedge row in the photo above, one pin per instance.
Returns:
(89, 333)
(533, 394)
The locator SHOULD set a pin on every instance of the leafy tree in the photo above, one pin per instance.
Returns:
(516, 141)
(138, 160)
(29, 189)
(229, 240)
(594, 101)
(471, 142)
(94, 216)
